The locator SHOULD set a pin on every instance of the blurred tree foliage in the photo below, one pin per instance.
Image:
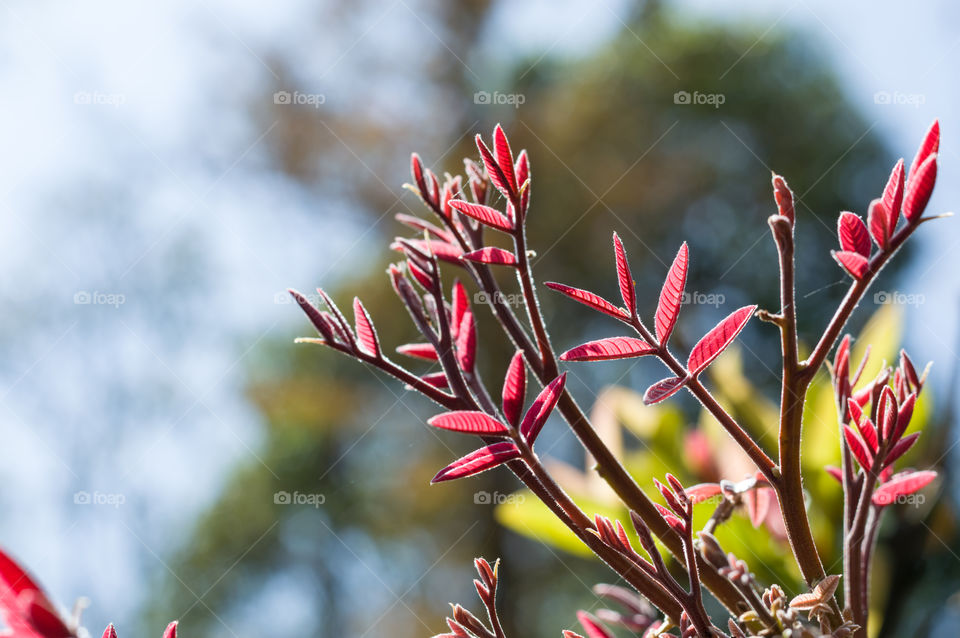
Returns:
(612, 149)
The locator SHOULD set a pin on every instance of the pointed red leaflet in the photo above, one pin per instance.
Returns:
(784, 198)
(497, 176)
(703, 492)
(366, 335)
(854, 263)
(835, 472)
(627, 290)
(857, 448)
(715, 341)
(491, 255)
(314, 315)
(522, 168)
(853, 234)
(668, 308)
(540, 409)
(483, 214)
(887, 412)
(919, 189)
(460, 306)
(171, 630)
(878, 220)
(592, 626)
(869, 433)
(422, 226)
(893, 195)
(662, 389)
(419, 351)
(478, 461)
(929, 146)
(589, 299)
(900, 448)
(446, 251)
(467, 343)
(904, 416)
(901, 485)
(468, 422)
(612, 348)
(514, 389)
(501, 147)
(110, 631)
(757, 502)
(437, 380)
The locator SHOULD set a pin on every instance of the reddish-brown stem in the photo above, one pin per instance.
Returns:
(707, 400)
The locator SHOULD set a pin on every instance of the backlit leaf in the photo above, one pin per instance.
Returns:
(611, 348)
(715, 341)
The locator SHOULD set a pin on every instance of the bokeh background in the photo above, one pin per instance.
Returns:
(169, 169)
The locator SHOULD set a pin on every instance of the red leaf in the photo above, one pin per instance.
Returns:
(857, 448)
(419, 351)
(901, 485)
(497, 176)
(627, 290)
(490, 255)
(468, 422)
(25, 607)
(893, 195)
(459, 307)
(784, 198)
(313, 314)
(478, 461)
(611, 348)
(571, 634)
(929, 146)
(668, 308)
(703, 492)
(443, 250)
(589, 299)
(110, 631)
(670, 518)
(715, 341)
(422, 276)
(437, 380)
(171, 630)
(904, 416)
(869, 433)
(592, 626)
(514, 389)
(662, 389)
(467, 343)
(835, 472)
(757, 502)
(854, 263)
(366, 335)
(522, 168)
(501, 147)
(540, 409)
(900, 448)
(855, 411)
(853, 234)
(887, 412)
(421, 225)
(878, 219)
(919, 189)
(483, 214)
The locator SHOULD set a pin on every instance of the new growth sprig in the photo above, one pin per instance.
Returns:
(494, 196)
